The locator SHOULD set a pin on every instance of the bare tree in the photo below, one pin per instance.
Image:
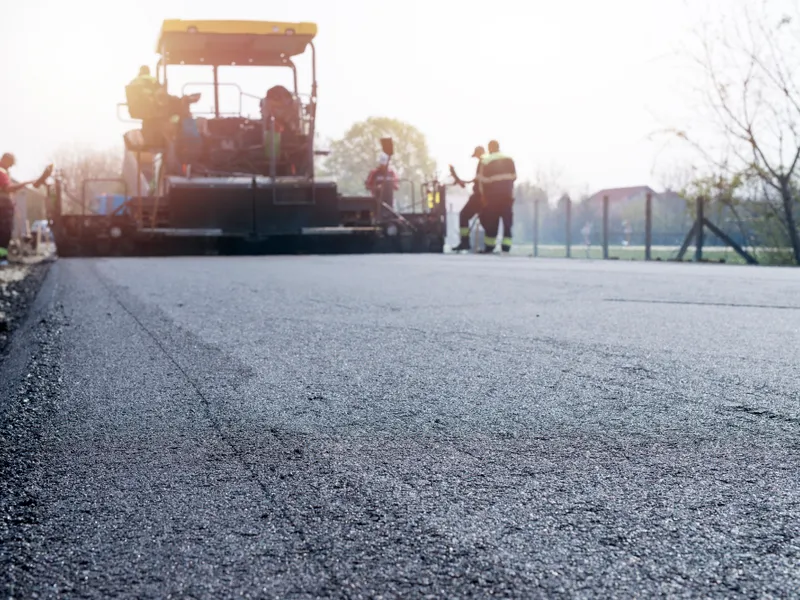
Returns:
(550, 180)
(748, 61)
(676, 177)
(78, 164)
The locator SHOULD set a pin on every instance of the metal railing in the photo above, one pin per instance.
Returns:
(647, 229)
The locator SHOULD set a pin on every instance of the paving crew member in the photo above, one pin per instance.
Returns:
(497, 174)
(380, 175)
(145, 78)
(147, 92)
(147, 101)
(280, 103)
(7, 204)
(474, 204)
(160, 112)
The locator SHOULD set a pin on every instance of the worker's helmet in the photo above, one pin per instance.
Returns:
(494, 146)
(383, 159)
(478, 152)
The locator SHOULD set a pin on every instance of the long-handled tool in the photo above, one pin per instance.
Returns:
(474, 223)
(387, 146)
(37, 183)
(48, 170)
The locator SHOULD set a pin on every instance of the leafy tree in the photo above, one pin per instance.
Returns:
(736, 203)
(354, 155)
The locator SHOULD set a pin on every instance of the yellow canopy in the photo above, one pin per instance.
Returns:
(257, 43)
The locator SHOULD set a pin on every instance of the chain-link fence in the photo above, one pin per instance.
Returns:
(648, 227)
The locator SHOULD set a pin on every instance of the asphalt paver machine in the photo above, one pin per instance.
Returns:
(230, 182)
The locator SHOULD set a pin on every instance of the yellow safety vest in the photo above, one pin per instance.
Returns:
(148, 83)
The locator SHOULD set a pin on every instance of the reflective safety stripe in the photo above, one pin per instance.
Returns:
(464, 231)
(490, 241)
(506, 241)
(487, 158)
(497, 174)
(499, 177)
(433, 199)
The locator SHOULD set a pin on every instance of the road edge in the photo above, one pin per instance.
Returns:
(29, 389)
(23, 343)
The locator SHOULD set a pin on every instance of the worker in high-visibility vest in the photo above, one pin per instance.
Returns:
(147, 100)
(497, 174)
(160, 112)
(145, 95)
(474, 204)
(146, 81)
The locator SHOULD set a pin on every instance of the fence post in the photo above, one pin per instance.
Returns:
(648, 227)
(698, 251)
(568, 208)
(605, 226)
(536, 227)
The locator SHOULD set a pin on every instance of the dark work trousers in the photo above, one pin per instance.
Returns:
(496, 209)
(6, 225)
(473, 207)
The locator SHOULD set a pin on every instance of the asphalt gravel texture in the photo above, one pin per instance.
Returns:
(18, 287)
(402, 426)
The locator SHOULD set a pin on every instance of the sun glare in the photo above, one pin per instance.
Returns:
(554, 88)
(71, 68)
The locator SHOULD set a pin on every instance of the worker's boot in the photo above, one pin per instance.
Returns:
(464, 245)
(487, 250)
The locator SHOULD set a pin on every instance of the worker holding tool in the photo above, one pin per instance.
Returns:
(7, 204)
(376, 178)
(474, 204)
(497, 174)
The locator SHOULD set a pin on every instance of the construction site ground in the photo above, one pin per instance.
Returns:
(19, 282)
(720, 254)
(402, 426)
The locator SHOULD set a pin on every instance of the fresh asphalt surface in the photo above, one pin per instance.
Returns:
(408, 426)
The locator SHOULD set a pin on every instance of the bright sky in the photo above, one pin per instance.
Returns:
(575, 83)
